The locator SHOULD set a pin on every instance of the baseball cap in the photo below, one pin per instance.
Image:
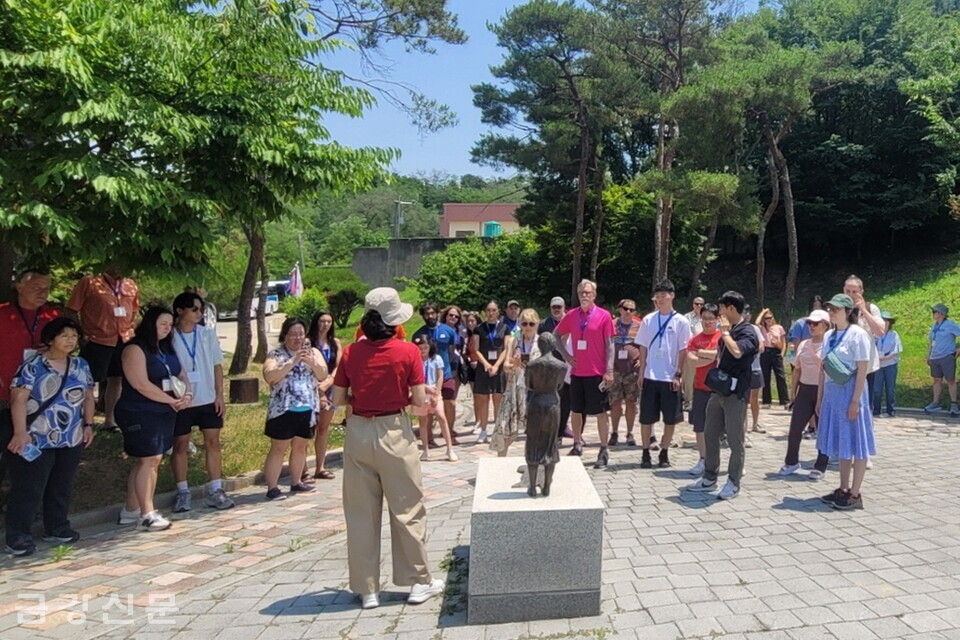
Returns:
(840, 301)
(818, 315)
(386, 302)
(940, 308)
(557, 301)
(513, 303)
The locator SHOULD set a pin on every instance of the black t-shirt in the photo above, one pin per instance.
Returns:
(547, 325)
(492, 337)
(746, 339)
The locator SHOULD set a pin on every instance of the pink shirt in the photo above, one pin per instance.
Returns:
(808, 358)
(589, 333)
(774, 333)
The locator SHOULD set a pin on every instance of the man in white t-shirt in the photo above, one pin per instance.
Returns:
(870, 321)
(198, 350)
(662, 340)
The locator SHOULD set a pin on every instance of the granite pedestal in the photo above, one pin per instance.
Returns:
(534, 558)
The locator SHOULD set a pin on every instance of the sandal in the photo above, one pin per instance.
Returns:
(306, 478)
(323, 474)
(757, 429)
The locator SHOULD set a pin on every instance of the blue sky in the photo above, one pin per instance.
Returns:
(446, 77)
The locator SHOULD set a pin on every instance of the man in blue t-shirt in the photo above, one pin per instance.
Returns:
(942, 357)
(445, 337)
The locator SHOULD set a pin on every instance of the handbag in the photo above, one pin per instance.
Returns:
(178, 388)
(836, 368)
(720, 382)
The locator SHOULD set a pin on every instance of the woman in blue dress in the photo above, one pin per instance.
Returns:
(846, 422)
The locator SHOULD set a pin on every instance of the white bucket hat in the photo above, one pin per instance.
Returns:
(386, 302)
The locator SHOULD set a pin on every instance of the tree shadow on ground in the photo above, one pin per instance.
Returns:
(453, 608)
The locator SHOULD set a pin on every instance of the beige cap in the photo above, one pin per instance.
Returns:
(386, 302)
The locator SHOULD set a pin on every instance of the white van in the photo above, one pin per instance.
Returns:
(277, 290)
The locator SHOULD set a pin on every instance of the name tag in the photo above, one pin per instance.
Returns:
(28, 353)
(120, 312)
(622, 354)
(491, 356)
(581, 345)
(193, 377)
(166, 384)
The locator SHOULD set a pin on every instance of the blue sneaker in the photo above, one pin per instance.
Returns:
(932, 408)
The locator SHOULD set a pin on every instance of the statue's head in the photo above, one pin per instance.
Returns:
(547, 343)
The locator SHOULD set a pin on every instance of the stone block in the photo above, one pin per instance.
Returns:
(534, 558)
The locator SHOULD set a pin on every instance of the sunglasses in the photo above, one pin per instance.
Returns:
(698, 304)
(631, 309)
(810, 323)
(557, 306)
(528, 324)
(453, 315)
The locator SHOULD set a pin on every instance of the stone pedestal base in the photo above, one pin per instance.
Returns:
(534, 558)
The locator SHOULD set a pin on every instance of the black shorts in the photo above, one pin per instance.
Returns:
(656, 398)
(146, 433)
(586, 396)
(756, 379)
(698, 410)
(485, 384)
(289, 425)
(205, 416)
(104, 361)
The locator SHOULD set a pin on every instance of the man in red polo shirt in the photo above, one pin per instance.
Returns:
(378, 377)
(21, 322)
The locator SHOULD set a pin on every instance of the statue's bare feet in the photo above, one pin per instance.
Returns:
(532, 491)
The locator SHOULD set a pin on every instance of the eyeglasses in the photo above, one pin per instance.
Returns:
(557, 306)
(528, 324)
(630, 309)
(453, 315)
(698, 304)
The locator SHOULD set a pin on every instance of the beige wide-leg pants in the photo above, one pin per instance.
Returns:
(381, 460)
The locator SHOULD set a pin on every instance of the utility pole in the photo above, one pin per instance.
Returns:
(398, 216)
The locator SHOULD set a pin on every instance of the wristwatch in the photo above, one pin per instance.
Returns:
(725, 333)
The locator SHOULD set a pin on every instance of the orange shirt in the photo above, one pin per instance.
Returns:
(108, 309)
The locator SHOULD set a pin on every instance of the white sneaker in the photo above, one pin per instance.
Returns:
(697, 469)
(729, 491)
(788, 469)
(702, 486)
(451, 456)
(370, 601)
(423, 592)
(482, 437)
(869, 463)
(153, 521)
(476, 429)
(815, 475)
(747, 444)
(128, 517)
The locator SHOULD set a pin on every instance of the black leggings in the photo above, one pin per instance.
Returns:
(804, 408)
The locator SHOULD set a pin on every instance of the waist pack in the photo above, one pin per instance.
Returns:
(721, 382)
(836, 369)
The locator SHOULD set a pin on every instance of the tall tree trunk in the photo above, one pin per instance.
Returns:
(581, 200)
(261, 356)
(241, 354)
(704, 255)
(7, 260)
(792, 254)
(599, 182)
(764, 221)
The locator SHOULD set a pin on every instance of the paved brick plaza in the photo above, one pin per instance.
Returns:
(774, 563)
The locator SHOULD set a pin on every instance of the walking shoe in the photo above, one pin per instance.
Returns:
(482, 437)
(729, 491)
(67, 536)
(747, 442)
(891, 414)
(869, 463)
(370, 601)
(815, 475)
(653, 443)
(451, 456)
(21, 548)
(476, 429)
(218, 500)
(422, 592)
(788, 469)
(614, 438)
(275, 494)
(603, 458)
(645, 462)
(568, 432)
(153, 521)
(631, 441)
(810, 434)
(302, 487)
(847, 501)
(697, 469)
(954, 410)
(576, 450)
(757, 428)
(425, 456)
(833, 496)
(932, 408)
(664, 459)
(128, 517)
(182, 502)
(702, 485)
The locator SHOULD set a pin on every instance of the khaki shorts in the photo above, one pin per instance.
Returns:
(624, 387)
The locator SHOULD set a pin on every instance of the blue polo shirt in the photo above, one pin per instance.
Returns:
(799, 331)
(943, 339)
(444, 336)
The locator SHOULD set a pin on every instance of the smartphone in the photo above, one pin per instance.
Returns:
(603, 385)
(31, 452)
(524, 358)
